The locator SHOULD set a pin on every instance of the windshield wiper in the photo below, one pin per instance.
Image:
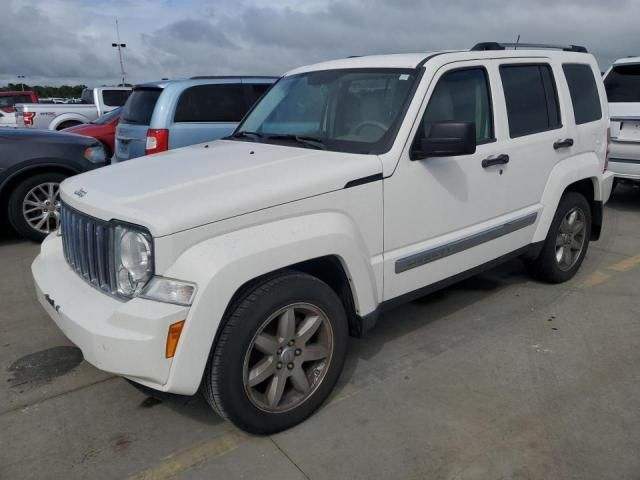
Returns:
(309, 141)
(246, 134)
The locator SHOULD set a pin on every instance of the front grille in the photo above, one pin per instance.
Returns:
(88, 248)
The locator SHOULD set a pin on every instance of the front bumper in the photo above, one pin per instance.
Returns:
(125, 338)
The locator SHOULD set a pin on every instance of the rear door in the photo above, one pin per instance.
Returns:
(207, 112)
(131, 134)
(539, 134)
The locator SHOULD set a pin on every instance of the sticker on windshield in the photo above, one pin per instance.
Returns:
(404, 76)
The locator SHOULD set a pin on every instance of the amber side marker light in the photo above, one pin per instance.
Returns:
(173, 336)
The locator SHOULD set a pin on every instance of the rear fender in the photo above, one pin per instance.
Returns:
(566, 172)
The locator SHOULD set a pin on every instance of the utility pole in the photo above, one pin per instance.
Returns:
(21, 78)
(120, 46)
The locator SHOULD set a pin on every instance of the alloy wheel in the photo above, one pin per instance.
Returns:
(41, 207)
(571, 238)
(288, 358)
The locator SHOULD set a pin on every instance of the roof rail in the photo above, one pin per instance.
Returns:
(484, 46)
(226, 77)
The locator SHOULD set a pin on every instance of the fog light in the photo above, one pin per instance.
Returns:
(169, 290)
(173, 336)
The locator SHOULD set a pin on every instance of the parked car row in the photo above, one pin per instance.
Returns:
(239, 267)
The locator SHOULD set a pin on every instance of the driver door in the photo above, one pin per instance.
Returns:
(441, 213)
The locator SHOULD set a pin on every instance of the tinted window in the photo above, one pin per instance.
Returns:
(532, 102)
(623, 84)
(11, 100)
(115, 98)
(461, 96)
(257, 90)
(584, 93)
(140, 105)
(212, 103)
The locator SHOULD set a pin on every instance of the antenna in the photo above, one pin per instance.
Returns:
(120, 46)
(517, 42)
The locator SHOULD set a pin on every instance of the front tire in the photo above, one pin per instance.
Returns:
(279, 354)
(34, 205)
(567, 241)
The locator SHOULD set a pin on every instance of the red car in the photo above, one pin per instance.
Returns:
(102, 129)
(9, 99)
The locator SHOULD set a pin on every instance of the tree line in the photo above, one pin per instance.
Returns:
(64, 91)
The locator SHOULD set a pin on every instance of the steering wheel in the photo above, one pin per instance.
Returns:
(370, 123)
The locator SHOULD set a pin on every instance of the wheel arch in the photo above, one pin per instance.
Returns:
(581, 174)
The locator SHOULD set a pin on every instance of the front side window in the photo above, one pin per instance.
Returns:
(461, 96)
(532, 101)
(584, 92)
(224, 102)
(349, 110)
(623, 84)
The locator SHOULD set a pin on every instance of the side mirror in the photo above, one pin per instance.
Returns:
(446, 139)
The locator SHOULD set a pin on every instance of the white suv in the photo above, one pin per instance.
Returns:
(622, 83)
(241, 266)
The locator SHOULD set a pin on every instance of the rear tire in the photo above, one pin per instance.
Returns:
(263, 391)
(567, 241)
(22, 211)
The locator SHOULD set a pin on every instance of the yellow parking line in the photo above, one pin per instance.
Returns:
(626, 264)
(596, 278)
(172, 465)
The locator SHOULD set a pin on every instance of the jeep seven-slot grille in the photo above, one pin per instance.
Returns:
(88, 248)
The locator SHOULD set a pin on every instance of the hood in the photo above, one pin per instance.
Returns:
(192, 186)
(44, 136)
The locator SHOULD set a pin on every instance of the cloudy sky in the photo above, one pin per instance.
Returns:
(69, 41)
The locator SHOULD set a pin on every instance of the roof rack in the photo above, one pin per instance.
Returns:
(227, 77)
(484, 46)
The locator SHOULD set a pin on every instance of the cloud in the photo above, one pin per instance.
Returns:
(69, 41)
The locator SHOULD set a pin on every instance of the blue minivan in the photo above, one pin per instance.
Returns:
(170, 114)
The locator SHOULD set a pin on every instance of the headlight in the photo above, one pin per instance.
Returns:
(95, 154)
(134, 260)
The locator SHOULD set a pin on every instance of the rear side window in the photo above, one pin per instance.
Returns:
(584, 92)
(623, 84)
(139, 107)
(461, 96)
(115, 98)
(532, 101)
(212, 103)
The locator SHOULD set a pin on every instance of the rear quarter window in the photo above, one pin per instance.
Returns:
(584, 92)
(115, 98)
(212, 103)
(140, 105)
(623, 84)
(531, 98)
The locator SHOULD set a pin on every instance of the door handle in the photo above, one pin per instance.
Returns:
(566, 143)
(499, 160)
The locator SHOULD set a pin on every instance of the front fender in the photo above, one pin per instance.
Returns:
(221, 265)
(566, 172)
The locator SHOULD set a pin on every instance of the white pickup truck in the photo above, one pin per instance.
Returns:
(238, 267)
(95, 103)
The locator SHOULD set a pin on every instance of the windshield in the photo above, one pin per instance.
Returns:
(354, 110)
(140, 105)
(108, 117)
(623, 84)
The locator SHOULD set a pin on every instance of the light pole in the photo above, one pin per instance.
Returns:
(120, 46)
(21, 78)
